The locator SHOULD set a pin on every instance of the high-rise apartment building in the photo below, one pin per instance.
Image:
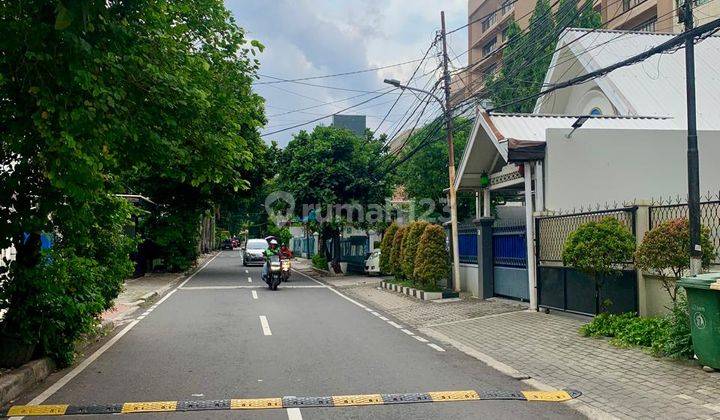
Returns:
(488, 21)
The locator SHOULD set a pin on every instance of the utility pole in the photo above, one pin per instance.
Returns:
(451, 161)
(692, 148)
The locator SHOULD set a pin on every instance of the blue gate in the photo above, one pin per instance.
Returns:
(353, 250)
(304, 246)
(510, 262)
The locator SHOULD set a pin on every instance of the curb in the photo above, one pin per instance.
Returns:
(15, 383)
(412, 292)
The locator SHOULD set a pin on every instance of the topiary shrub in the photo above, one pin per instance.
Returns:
(396, 253)
(320, 262)
(386, 248)
(666, 249)
(598, 248)
(431, 260)
(410, 247)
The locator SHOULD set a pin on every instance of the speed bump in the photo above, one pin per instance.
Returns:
(288, 402)
(555, 396)
(37, 410)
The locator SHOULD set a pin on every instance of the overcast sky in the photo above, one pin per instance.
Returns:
(305, 38)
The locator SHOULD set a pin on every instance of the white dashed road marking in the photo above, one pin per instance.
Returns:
(294, 414)
(436, 347)
(408, 332)
(420, 339)
(266, 326)
(395, 324)
(254, 294)
(249, 279)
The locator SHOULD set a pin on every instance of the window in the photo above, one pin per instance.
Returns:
(629, 4)
(504, 34)
(489, 21)
(596, 111)
(489, 72)
(508, 6)
(647, 26)
(490, 47)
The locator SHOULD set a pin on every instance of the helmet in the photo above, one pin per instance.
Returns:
(273, 242)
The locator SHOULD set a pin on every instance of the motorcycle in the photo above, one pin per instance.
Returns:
(285, 268)
(274, 275)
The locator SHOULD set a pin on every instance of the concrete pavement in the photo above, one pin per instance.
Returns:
(207, 340)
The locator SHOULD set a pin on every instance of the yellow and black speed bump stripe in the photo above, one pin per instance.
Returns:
(288, 402)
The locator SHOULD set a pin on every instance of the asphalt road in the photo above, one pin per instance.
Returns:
(207, 341)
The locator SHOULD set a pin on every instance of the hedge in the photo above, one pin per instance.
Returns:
(431, 260)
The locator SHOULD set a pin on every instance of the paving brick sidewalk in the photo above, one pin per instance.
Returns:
(616, 383)
(137, 291)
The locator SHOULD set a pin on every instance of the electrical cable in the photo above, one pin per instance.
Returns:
(299, 79)
(326, 116)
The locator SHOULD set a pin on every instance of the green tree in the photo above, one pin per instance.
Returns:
(599, 248)
(425, 174)
(396, 253)
(432, 261)
(335, 172)
(527, 55)
(666, 249)
(102, 98)
(410, 246)
(386, 248)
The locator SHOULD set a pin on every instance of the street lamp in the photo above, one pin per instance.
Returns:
(444, 105)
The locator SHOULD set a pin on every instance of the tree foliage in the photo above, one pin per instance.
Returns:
(527, 55)
(597, 248)
(666, 249)
(431, 262)
(333, 167)
(425, 174)
(396, 253)
(152, 97)
(411, 241)
(386, 248)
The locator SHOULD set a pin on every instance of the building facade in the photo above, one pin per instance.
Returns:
(488, 22)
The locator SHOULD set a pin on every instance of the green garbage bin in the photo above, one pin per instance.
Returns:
(703, 294)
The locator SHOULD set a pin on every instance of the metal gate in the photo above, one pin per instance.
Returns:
(510, 262)
(566, 289)
(353, 250)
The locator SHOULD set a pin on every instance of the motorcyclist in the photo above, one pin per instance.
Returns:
(272, 249)
(285, 251)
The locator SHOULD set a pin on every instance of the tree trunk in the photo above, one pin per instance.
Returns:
(28, 251)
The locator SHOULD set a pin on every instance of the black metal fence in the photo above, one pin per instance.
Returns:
(569, 290)
(553, 231)
(709, 218)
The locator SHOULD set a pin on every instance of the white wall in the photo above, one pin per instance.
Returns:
(469, 279)
(7, 253)
(597, 166)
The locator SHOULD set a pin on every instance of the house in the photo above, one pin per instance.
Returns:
(630, 146)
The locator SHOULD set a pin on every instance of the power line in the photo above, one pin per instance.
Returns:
(410, 80)
(325, 116)
(659, 49)
(281, 80)
(524, 51)
(329, 103)
(314, 85)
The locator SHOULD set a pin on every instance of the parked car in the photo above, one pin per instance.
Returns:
(372, 262)
(227, 244)
(253, 252)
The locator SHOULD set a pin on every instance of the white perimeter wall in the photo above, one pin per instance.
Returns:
(597, 166)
